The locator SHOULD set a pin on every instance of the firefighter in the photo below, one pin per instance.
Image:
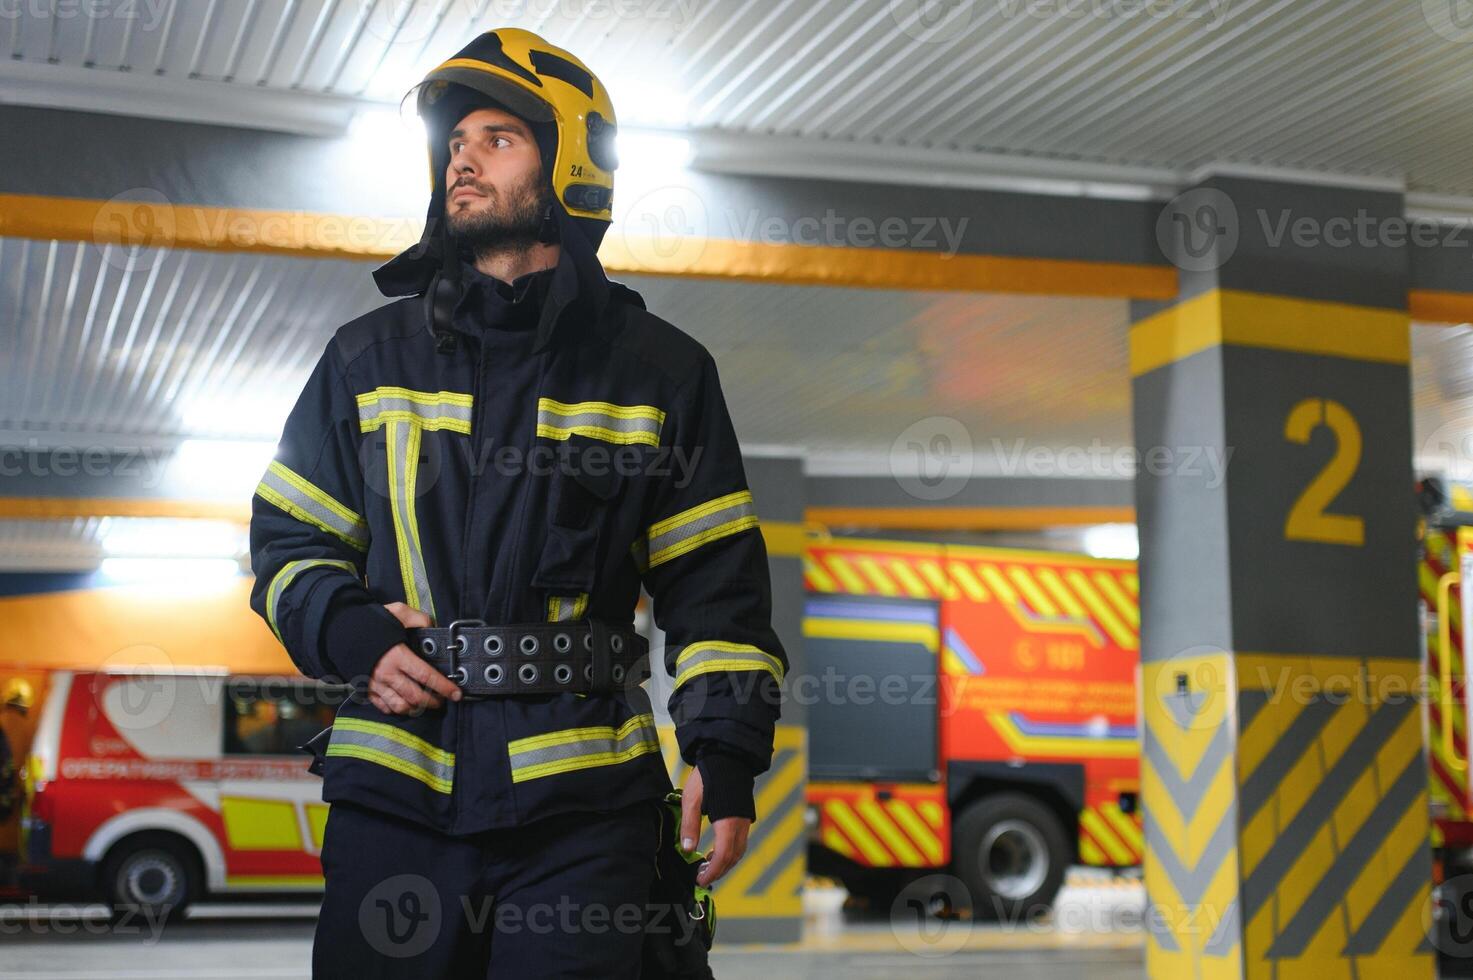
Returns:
(466, 499)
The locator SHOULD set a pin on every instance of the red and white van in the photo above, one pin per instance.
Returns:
(150, 790)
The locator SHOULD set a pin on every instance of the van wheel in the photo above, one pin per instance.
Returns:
(157, 877)
(1011, 852)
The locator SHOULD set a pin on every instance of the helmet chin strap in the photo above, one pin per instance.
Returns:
(445, 291)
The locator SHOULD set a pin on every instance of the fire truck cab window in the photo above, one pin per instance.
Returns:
(274, 717)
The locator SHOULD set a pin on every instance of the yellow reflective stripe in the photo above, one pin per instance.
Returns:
(393, 762)
(395, 734)
(309, 504)
(621, 424)
(283, 578)
(428, 410)
(582, 748)
(709, 656)
(402, 446)
(579, 734)
(605, 408)
(563, 609)
(696, 526)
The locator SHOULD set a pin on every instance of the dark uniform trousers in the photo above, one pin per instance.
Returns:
(563, 896)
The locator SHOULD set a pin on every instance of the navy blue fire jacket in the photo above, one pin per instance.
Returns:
(565, 448)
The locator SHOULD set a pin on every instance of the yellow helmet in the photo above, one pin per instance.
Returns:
(18, 693)
(543, 84)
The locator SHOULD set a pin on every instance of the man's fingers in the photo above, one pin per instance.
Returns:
(731, 844)
(431, 678)
(393, 703)
(408, 616)
(408, 689)
(378, 702)
(690, 816)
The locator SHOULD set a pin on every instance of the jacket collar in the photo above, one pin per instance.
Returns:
(578, 282)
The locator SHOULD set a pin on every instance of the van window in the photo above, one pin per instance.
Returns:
(272, 716)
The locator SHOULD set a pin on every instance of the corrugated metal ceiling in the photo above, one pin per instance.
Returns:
(1360, 87)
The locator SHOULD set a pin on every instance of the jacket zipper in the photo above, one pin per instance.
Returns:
(470, 499)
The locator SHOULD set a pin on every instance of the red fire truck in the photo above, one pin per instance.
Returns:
(1021, 757)
(975, 710)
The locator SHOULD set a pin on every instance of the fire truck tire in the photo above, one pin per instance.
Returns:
(1011, 852)
(153, 875)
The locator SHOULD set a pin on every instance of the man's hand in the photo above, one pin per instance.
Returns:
(731, 832)
(402, 683)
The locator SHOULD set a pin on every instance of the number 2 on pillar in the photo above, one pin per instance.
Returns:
(1307, 519)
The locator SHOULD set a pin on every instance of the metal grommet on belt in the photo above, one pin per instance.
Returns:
(493, 673)
(616, 644)
(588, 642)
(562, 673)
(588, 672)
(527, 673)
(562, 643)
(493, 645)
(617, 672)
(429, 646)
(459, 675)
(529, 644)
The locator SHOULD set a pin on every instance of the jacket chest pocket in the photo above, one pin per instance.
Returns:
(582, 505)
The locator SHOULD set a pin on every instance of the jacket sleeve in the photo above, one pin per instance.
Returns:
(705, 566)
(309, 540)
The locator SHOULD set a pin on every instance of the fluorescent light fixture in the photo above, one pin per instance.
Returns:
(164, 537)
(642, 102)
(218, 468)
(394, 142)
(1112, 541)
(652, 155)
(175, 573)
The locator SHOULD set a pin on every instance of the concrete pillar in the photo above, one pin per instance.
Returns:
(1283, 779)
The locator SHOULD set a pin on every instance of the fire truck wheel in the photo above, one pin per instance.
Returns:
(152, 875)
(1011, 852)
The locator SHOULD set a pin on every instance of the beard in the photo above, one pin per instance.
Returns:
(511, 221)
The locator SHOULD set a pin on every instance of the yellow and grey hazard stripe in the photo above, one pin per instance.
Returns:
(311, 505)
(689, 529)
(290, 571)
(623, 424)
(393, 748)
(402, 441)
(566, 608)
(582, 748)
(426, 409)
(710, 656)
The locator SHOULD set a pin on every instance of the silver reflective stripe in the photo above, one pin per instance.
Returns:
(309, 504)
(431, 410)
(393, 748)
(624, 424)
(710, 656)
(288, 573)
(403, 449)
(582, 748)
(702, 524)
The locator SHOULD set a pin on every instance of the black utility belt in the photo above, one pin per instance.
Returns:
(581, 657)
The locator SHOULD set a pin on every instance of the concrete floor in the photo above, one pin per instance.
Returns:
(1095, 935)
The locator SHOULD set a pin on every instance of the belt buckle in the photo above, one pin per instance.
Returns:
(456, 647)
